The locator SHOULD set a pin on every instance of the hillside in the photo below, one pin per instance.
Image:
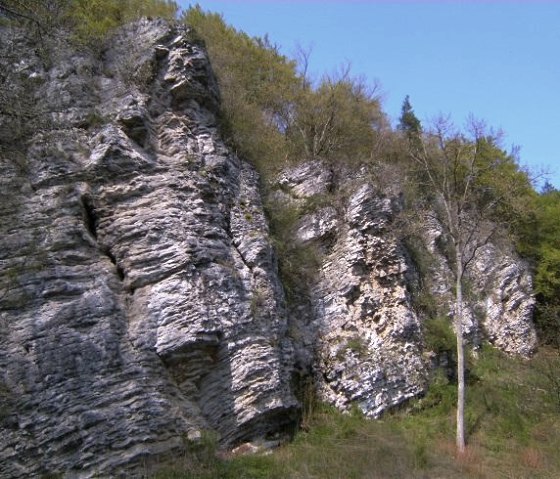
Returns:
(201, 250)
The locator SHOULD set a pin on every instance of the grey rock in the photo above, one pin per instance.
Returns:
(359, 318)
(365, 334)
(308, 179)
(504, 287)
(140, 303)
(317, 225)
(500, 306)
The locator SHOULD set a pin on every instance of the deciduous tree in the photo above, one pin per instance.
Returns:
(337, 120)
(469, 185)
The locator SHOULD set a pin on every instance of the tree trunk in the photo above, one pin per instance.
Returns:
(460, 359)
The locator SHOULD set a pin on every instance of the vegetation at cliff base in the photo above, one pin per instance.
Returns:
(512, 421)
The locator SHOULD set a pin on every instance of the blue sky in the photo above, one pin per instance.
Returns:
(497, 60)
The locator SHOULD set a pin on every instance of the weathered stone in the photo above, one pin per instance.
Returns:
(141, 304)
(308, 179)
(500, 306)
(317, 225)
(504, 288)
(362, 326)
(359, 318)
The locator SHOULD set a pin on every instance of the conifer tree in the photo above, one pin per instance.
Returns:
(409, 124)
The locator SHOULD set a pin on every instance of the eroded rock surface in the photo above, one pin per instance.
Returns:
(501, 305)
(504, 287)
(359, 315)
(367, 336)
(140, 303)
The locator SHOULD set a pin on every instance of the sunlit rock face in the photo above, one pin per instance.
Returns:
(504, 288)
(140, 304)
(368, 341)
(500, 304)
(366, 332)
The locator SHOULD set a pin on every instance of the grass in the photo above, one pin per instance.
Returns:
(513, 425)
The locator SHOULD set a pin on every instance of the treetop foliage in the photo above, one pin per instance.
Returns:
(89, 20)
(548, 245)
(408, 122)
(545, 242)
(257, 84)
(93, 19)
(271, 111)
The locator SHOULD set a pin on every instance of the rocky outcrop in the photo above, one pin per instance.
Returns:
(140, 305)
(367, 336)
(501, 305)
(504, 291)
(140, 301)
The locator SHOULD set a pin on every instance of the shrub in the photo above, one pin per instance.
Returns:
(92, 20)
(438, 334)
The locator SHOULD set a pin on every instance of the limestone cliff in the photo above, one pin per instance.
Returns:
(501, 303)
(140, 303)
(360, 314)
(367, 336)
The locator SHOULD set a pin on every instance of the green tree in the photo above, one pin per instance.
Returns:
(408, 122)
(92, 20)
(545, 244)
(274, 114)
(89, 20)
(548, 187)
(338, 120)
(40, 13)
(258, 86)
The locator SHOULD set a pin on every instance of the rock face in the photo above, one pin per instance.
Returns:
(368, 338)
(140, 303)
(501, 302)
(361, 320)
(503, 287)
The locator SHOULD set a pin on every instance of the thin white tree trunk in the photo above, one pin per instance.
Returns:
(460, 359)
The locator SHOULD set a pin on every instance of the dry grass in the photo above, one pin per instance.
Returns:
(532, 458)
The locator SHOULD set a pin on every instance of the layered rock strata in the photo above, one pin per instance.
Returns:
(140, 302)
(367, 337)
(359, 314)
(140, 305)
(501, 304)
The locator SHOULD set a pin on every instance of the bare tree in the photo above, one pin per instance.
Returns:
(468, 182)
